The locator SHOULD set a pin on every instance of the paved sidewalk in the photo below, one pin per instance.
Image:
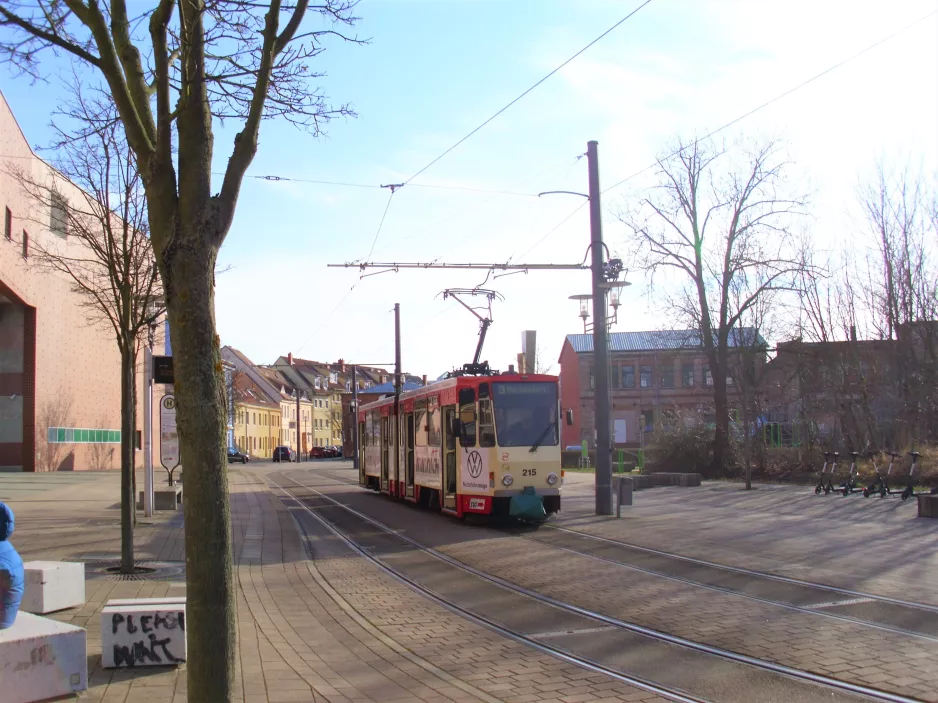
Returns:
(329, 629)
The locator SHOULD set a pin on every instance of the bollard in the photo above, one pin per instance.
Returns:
(623, 493)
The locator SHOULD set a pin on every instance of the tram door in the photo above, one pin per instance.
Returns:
(385, 437)
(449, 458)
(409, 454)
(361, 453)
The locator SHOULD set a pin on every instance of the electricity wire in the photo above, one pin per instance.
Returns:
(745, 115)
(781, 96)
(601, 36)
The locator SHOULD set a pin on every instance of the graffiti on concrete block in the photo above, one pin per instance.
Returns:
(148, 640)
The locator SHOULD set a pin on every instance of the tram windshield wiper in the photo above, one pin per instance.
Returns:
(540, 439)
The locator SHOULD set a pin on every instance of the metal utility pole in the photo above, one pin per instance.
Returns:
(355, 462)
(397, 391)
(148, 425)
(299, 451)
(600, 351)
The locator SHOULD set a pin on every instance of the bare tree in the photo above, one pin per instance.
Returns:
(747, 364)
(901, 287)
(171, 70)
(723, 228)
(100, 242)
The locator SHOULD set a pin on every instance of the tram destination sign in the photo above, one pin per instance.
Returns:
(524, 388)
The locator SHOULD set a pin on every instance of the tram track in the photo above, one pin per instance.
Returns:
(884, 613)
(361, 532)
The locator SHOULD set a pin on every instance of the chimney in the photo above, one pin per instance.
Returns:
(425, 379)
(290, 358)
(511, 368)
(853, 333)
(341, 363)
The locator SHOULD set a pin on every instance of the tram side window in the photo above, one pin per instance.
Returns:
(435, 431)
(375, 429)
(467, 417)
(369, 430)
(486, 424)
(420, 434)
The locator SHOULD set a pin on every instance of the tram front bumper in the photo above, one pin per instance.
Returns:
(527, 505)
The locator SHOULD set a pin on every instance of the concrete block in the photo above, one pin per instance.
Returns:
(143, 632)
(53, 585)
(167, 498)
(41, 659)
(927, 505)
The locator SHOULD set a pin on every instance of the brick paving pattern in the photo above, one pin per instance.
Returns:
(335, 629)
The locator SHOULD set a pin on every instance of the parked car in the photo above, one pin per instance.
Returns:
(283, 454)
(235, 456)
(317, 453)
(337, 452)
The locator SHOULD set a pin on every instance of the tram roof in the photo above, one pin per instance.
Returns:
(459, 382)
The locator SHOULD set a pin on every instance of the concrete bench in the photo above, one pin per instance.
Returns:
(53, 585)
(927, 504)
(41, 659)
(164, 497)
(666, 479)
(143, 632)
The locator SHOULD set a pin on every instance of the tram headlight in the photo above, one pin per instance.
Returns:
(507, 480)
(551, 479)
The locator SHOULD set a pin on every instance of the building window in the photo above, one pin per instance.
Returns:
(667, 376)
(25, 244)
(648, 420)
(8, 227)
(708, 377)
(614, 376)
(687, 375)
(628, 377)
(592, 379)
(58, 217)
(645, 376)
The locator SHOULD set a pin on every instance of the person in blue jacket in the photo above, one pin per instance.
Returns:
(11, 571)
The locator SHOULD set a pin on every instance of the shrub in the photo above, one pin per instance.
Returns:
(688, 448)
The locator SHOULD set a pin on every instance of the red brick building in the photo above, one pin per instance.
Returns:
(650, 373)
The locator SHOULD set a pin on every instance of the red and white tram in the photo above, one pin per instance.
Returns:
(487, 445)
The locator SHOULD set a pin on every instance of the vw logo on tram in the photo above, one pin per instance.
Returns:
(474, 464)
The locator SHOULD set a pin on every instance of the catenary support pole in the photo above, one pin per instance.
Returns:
(148, 426)
(355, 460)
(397, 392)
(600, 351)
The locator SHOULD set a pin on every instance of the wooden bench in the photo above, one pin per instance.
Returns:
(927, 504)
(139, 632)
(53, 585)
(41, 658)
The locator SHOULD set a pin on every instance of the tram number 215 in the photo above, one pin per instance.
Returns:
(529, 472)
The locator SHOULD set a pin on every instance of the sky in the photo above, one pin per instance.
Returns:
(434, 70)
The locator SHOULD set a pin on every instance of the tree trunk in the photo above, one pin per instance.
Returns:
(128, 425)
(721, 436)
(188, 276)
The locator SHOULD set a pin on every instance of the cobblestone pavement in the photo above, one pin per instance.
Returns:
(866, 544)
(848, 651)
(329, 629)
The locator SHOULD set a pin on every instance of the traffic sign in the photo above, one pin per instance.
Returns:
(169, 440)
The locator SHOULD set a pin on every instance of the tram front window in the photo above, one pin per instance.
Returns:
(526, 414)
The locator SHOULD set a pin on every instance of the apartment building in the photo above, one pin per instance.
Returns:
(257, 423)
(651, 374)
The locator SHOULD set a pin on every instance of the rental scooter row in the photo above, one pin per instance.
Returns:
(879, 485)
